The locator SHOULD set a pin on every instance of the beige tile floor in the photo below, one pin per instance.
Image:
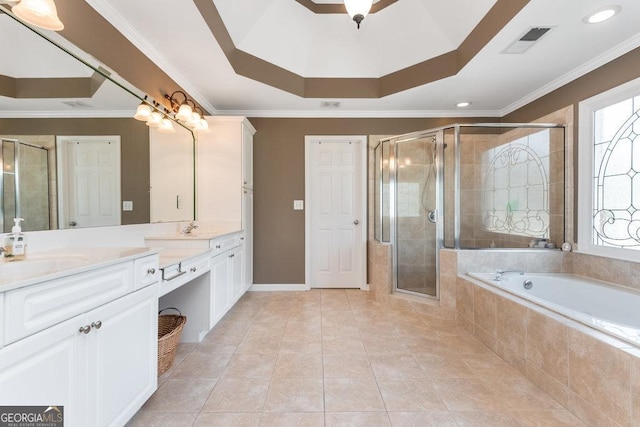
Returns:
(337, 358)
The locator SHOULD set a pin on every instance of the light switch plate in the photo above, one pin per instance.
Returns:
(127, 205)
(298, 205)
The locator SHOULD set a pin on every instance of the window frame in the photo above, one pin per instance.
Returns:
(586, 122)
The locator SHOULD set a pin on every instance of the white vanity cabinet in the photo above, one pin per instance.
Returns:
(227, 274)
(100, 364)
(225, 178)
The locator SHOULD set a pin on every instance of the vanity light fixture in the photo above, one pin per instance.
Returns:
(155, 120)
(40, 13)
(463, 104)
(358, 9)
(186, 111)
(202, 126)
(602, 15)
(166, 126)
(143, 112)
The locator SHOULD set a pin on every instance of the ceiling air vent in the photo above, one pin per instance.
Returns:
(77, 104)
(527, 40)
(330, 104)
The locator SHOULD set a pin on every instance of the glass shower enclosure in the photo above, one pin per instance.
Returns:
(24, 185)
(467, 186)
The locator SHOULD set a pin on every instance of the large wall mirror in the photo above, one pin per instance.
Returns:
(71, 154)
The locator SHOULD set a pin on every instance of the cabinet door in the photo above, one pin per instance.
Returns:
(247, 156)
(123, 356)
(219, 287)
(48, 369)
(236, 261)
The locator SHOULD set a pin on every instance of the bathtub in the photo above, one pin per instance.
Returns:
(612, 309)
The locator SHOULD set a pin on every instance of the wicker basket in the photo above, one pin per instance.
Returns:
(169, 331)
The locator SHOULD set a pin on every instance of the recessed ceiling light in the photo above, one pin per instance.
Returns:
(463, 104)
(602, 15)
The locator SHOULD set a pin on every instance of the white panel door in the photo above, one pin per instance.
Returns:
(336, 212)
(90, 175)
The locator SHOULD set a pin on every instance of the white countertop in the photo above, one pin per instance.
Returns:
(52, 264)
(196, 234)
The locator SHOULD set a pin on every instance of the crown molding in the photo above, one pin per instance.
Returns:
(362, 114)
(131, 34)
(92, 114)
(587, 67)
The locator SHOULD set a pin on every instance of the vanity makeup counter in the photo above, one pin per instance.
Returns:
(202, 276)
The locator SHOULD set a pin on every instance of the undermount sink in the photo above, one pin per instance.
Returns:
(10, 271)
(40, 264)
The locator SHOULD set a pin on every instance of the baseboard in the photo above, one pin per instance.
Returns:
(276, 287)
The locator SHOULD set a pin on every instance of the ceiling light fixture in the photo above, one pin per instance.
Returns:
(358, 9)
(602, 15)
(41, 13)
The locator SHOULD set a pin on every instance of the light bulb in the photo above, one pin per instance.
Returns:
(155, 120)
(202, 127)
(41, 13)
(166, 126)
(184, 112)
(143, 113)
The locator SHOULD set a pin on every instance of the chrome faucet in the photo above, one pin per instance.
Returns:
(189, 228)
(497, 276)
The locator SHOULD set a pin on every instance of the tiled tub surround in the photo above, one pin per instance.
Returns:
(595, 376)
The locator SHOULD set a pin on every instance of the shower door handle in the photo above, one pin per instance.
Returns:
(356, 222)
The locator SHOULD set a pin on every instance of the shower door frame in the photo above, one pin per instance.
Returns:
(438, 135)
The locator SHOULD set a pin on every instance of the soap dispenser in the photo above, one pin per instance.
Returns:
(15, 244)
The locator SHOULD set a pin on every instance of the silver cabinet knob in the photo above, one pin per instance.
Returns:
(356, 222)
(85, 329)
(97, 324)
(193, 269)
(151, 271)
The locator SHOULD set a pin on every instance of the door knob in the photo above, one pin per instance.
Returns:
(97, 324)
(356, 222)
(85, 329)
(72, 223)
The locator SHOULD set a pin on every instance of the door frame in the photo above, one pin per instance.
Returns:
(62, 176)
(363, 140)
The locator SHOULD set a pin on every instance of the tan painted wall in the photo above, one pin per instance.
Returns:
(278, 166)
(134, 147)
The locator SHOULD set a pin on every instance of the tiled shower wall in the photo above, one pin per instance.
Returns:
(473, 234)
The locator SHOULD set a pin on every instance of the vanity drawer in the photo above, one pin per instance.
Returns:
(176, 275)
(146, 271)
(34, 308)
(225, 243)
